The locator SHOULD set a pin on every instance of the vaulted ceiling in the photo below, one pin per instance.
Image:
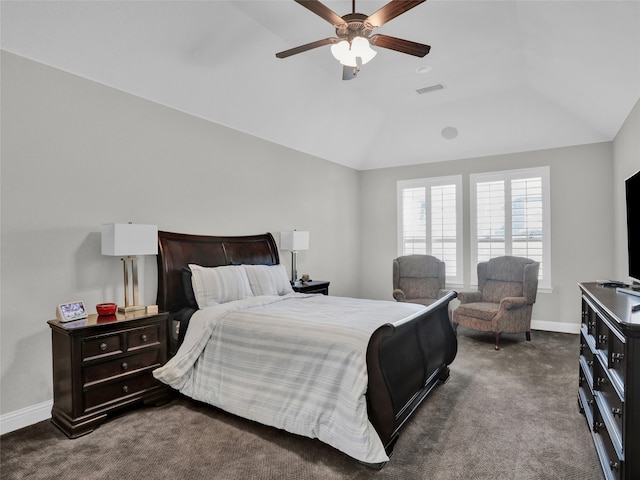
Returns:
(518, 75)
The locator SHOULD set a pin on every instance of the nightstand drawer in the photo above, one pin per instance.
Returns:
(124, 365)
(94, 347)
(99, 397)
(143, 337)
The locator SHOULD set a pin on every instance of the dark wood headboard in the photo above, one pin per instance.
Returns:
(177, 250)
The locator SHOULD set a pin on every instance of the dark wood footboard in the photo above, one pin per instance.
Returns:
(406, 360)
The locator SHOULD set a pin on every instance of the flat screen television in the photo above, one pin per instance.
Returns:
(632, 188)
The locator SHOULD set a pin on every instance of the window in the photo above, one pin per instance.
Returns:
(510, 216)
(430, 221)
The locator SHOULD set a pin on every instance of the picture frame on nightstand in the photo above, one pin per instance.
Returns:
(69, 312)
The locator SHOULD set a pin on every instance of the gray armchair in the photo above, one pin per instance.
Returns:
(418, 279)
(507, 288)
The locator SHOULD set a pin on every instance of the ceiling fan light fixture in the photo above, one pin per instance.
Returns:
(347, 53)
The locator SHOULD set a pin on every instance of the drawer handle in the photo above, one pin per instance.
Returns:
(613, 465)
(600, 381)
(602, 339)
(597, 426)
(103, 346)
(125, 365)
(616, 412)
(143, 338)
(617, 357)
(590, 363)
(125, 389)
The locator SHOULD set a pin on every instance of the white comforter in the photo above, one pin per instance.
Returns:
(296, 362)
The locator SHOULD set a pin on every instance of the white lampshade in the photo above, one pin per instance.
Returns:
(346, 53)
(294, 241)
(128, 239)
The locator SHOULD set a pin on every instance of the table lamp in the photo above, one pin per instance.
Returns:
(294, 241)
(128, 240)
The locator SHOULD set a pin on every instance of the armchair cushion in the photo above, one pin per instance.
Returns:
(482, 310)
(496, 290)
(419, 287)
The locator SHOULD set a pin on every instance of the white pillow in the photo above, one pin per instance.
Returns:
(213, 285)
(268, 279)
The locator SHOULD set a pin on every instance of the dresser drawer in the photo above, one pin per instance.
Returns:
(123, 365)
(616, 358)
(116, 391)
(611, 463)
(589, 318)
(586, 355)
(610, 404)
(94, 347)
(603, 334)
(586, 395)
(143, 337)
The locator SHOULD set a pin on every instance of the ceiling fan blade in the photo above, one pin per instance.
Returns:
(399, 45)
(391, 10)
(322, 11)
(308, 46)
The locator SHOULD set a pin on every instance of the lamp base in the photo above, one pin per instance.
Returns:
(131, 308)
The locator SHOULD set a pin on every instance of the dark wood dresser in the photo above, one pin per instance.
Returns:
(609, 379)
(104, 363)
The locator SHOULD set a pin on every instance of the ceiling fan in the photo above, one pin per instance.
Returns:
(351, 45)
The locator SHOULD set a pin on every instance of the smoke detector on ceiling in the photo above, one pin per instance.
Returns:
(449, 133)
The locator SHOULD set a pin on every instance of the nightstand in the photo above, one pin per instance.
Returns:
(313, 286)
(104, 363)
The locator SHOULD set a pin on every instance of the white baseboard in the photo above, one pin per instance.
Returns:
(25, 416)
(555, 326)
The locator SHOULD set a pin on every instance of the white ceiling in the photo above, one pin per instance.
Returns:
(520, 75)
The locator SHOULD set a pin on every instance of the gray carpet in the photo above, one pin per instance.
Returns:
(510, 414)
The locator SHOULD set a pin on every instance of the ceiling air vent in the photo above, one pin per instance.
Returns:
(430, 88)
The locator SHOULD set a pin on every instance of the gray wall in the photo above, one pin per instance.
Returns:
(581, 221)
(626, 151)
(76, 154)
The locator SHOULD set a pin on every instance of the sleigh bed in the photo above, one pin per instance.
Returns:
(405, 349)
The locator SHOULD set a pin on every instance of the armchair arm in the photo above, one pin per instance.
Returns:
(398, 295)
(470, 297)
(510, 303)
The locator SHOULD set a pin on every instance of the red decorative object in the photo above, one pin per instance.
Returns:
(106, 308)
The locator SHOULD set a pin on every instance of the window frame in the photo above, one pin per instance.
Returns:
(451, 280)
(544, 282)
